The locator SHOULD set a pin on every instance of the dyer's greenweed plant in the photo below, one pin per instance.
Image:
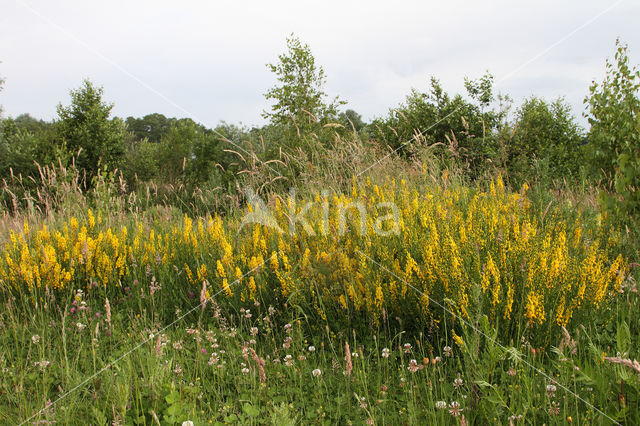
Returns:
(475, 307)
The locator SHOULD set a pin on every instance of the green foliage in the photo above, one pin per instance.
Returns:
(614, 138)
(85, 128)
(300, 102)
(188, 152)
(546, 143)
(24, 142)
(151, 127)
(352, 120)
(464, 127)
(140, 163)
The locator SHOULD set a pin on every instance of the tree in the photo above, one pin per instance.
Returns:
(435, 117)
(614, 137)
(546, 142)
(152, 126)
(85, 126)
(352, 120)
(300, 96)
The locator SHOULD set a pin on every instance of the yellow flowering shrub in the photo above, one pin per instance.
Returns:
(410, 252)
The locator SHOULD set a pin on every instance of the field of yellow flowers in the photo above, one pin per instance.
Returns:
(382, 251)
(396, 302)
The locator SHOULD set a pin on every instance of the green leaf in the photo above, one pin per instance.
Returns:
(250, 410)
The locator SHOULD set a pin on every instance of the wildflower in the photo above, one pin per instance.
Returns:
(213, 359)
(35, 338)
(458, 340)
(312, 349)
(271, 310)
(385, 353)
(42, 364)
(454, 409)
(551, 391)
(413, 366)
(287, 342)
(177, 345)
(260, 362)
(317, 372)
(448, 352)
(187, 423)
(554, 410)
(154, 286)
(441, 405)
(288, 360)
(288, 327)
(80, 326)
(362, 402)
(245, 371)
(511, 372)
(254, 331)
(407, 348)
(458, 382)
(178, 370)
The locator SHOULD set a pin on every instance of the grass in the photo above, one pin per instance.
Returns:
(206, 368)
(154, 345)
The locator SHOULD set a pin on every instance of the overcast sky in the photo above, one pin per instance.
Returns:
(206, 59)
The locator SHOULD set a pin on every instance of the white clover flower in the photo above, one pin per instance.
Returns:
(385, 353)
(317, 372)
(551, 390)
(312, 348)
(245, 371)
(441, 405)
(35, 338)
(288, 360)
(454, 409)
(458, 382)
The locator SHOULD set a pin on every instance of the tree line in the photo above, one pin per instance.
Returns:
(478, 131)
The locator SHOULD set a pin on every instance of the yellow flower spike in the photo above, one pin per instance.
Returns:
(91, 220)
(458, 340)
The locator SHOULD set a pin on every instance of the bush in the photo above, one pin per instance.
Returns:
(546, 143)
(614, 138)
